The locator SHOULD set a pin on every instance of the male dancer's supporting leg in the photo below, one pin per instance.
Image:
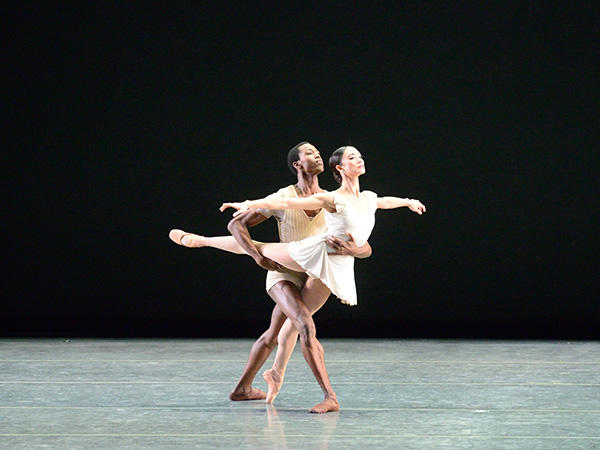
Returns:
(285, 292)
(285, 337)
(314, 295)
(290, 301)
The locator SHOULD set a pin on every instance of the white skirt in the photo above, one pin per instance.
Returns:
(335, 271)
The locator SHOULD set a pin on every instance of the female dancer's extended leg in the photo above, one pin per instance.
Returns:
(314, 295)
(277, 251)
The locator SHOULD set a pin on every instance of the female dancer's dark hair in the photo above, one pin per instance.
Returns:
(334, 160)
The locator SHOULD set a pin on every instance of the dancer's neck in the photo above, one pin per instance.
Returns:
(308, 184)
(350, 186)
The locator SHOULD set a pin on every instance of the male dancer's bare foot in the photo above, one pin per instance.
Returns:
(330, 404)
(180, 237)
(274, 381)
(240, 395)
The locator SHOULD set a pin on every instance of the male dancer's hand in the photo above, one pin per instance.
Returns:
(268, 264)
(342, 247)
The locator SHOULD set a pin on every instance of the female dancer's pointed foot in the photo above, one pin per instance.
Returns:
(240, 395)
(180, 237)
(274, 381)
(330, 404)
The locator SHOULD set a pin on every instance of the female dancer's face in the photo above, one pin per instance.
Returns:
(352, 163)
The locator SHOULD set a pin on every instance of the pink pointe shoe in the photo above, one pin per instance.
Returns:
(177, 236)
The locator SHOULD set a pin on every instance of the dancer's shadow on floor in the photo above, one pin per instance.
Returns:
(312, 430)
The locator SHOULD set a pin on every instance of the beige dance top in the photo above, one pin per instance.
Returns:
(293, 225)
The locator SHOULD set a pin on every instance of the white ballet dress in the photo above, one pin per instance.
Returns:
(337, 271)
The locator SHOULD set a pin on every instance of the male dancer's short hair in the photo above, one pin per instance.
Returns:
(294, 155)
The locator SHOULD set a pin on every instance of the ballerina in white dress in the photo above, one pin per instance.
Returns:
(347, 211)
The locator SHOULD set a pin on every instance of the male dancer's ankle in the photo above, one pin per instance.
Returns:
(244, 393)
(329, 404)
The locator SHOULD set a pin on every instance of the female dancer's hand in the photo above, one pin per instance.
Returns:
(240, 206)
(416, 206)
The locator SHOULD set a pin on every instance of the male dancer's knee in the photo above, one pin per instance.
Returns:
(286, 294)
(306, 328)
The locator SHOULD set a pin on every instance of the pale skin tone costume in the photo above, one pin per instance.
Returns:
(346, 206)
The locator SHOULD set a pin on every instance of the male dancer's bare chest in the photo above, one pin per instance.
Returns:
(310, 213)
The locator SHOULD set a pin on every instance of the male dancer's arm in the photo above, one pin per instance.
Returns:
(238, 227)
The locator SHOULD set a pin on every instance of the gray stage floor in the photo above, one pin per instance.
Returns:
(393, 394)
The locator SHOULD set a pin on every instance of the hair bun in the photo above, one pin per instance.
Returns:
(334, 160)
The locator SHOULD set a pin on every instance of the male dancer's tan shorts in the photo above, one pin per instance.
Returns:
(298, 278)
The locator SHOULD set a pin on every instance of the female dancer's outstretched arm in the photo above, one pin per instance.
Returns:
(396, 202)
(315, 201)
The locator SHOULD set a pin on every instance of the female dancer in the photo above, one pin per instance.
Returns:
(348, 210)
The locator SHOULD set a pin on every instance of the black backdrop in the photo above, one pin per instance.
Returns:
(125, 121)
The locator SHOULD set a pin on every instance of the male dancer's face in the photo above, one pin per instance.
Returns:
(310, 159)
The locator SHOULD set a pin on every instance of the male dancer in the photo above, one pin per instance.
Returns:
(296, 297)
